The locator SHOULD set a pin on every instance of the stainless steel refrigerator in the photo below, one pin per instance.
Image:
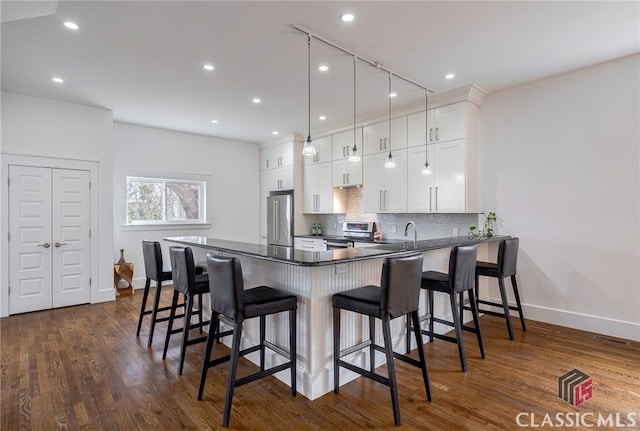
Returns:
(280, 219)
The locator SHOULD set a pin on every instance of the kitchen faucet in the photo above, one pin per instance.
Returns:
(415, 232)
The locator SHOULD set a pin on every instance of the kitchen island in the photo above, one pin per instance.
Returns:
(314, 277)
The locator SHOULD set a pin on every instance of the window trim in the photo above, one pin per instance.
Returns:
(202, 207)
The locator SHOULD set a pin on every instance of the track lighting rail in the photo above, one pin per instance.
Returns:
(370, 62)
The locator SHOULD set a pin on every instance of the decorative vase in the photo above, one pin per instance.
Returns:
(122, 260)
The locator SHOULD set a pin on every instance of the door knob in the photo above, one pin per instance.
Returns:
(44, 245)
(59, 244)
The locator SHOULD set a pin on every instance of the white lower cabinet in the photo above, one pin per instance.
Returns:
(309, 244)
(444, 190)
(317, 189)
(346, 173)
(385, 189)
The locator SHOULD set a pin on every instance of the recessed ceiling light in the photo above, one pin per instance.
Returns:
(57, 80)
(322, 117)
(214, 121)
(323, 68)
(71, 25)
(208, 67)
(393, 94)
(449, 76)
(275, 132)
(256, 100)
(347, 17)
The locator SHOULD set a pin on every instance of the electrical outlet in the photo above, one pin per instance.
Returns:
(393, 228)
(341, 269)
(455, 232)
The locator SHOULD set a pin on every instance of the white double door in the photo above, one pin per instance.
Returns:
(49, 238)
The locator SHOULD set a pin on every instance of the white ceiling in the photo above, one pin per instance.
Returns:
(143, 60)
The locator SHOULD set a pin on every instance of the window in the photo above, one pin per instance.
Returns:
(165, 201)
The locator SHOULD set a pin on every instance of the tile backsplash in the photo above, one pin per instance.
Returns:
(429, 226)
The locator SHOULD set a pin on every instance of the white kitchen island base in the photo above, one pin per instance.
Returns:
(315, 284)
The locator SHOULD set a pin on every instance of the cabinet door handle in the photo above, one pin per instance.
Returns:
(381, 200)
(348, 178)
(431, 135)
(386, 200)
(44, 245)
(437, 135)
(385, 143)
(381, 144)
(267, 164)
(317, 156)
(436, 199)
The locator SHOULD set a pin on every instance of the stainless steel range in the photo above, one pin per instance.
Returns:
(352, 231)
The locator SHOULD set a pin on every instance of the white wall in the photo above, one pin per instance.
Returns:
(45, 128)
(231, 169)
(559, 163)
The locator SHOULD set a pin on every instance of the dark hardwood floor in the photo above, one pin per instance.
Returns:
(83, 368)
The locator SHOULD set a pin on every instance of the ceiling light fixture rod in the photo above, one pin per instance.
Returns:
(372, 63)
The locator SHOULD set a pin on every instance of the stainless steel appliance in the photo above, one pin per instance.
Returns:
(280, 219)
(352, 232)
(359, 230)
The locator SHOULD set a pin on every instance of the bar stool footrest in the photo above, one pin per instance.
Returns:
(366, 373)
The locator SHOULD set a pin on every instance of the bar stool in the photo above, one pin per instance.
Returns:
(154, 270)
(505, 267)
(186, 282)
(398, 295)
(229, 299)
(460, 278)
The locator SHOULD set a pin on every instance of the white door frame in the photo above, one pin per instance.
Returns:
(44, 162)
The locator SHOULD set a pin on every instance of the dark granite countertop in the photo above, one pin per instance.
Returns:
(315, 258)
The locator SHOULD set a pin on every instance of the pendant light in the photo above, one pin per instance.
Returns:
(390, 163)
(355, 156)
(427, 169)
(309, 149)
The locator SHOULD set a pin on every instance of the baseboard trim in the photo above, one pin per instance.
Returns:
(585, 322)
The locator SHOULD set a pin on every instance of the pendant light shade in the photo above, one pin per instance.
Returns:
(309, 149)
(354, 157)
(390, 163)
(427, 169)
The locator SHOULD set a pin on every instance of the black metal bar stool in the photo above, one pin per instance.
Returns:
(186, 282)
(229, 299)
(398, 295)
(460, 278)
(505, 267)
(154, 270)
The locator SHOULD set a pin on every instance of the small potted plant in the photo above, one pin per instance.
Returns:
(488, 224)
(489, 221)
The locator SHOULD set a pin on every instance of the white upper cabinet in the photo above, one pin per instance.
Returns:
(317, 189)
(444, 189)
(416, 128)
(446, 123)
(346, 173)
(323, 151)
(343, 143)
(385, 189)
(376, 136)
(278, 156)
